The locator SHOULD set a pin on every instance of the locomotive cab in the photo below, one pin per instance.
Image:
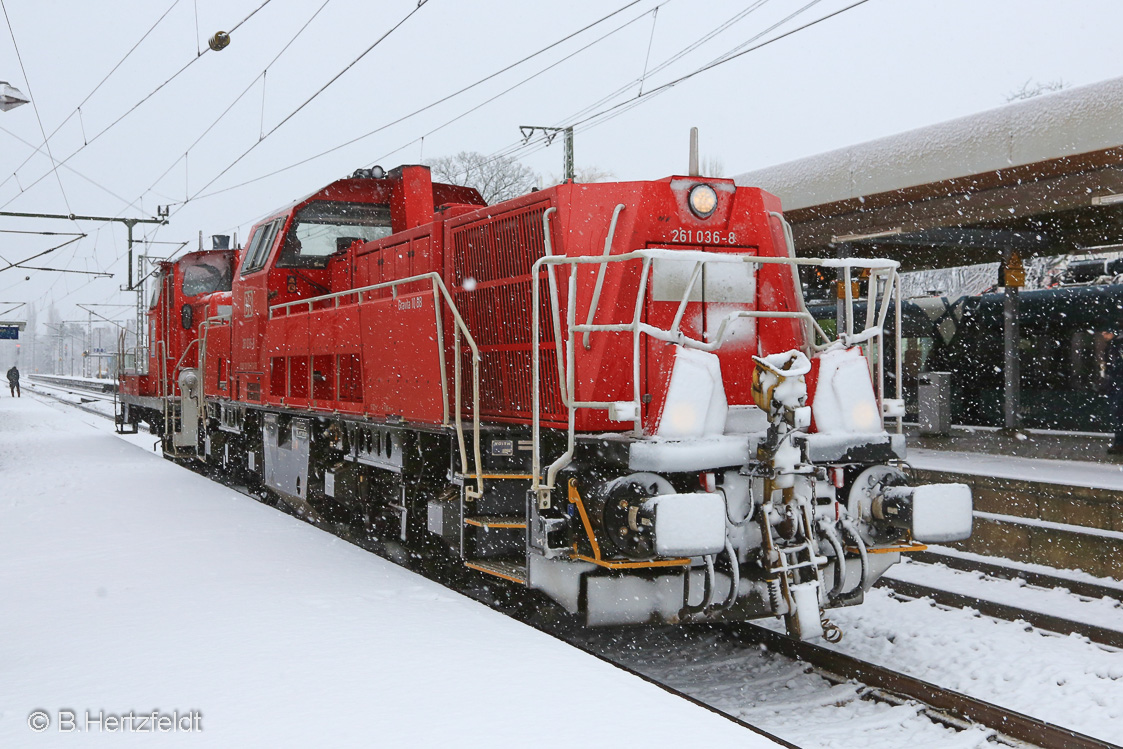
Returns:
(185, 293)
(307, 251)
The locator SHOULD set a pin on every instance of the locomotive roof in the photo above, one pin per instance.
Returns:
(350, 188)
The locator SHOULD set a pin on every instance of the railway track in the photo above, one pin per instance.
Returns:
(942, 706)
(1043, 621)
(85, 398)
(1058, 625)
(1078, 587)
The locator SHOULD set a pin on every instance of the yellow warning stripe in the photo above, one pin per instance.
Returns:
(889, 549)
(622, 565)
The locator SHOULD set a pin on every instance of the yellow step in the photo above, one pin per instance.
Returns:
(496, 521)
(507, 570)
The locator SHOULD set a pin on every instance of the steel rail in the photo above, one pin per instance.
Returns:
(1041, 579)
(80, 406)
(1059, 625)
(1006, 722)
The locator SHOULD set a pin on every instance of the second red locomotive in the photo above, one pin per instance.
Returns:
(611, 393)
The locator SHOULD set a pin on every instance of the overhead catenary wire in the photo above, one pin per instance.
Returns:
(35, 106)
(40, 254)
(67, 270)
(260, 76)
(136, 106)
(78, 109)
(442, 100)
(773, 27)
(617, 109)
(730, 58)
(525, 148)
(724, 26)
(310, 99)
(43, 233)
(631, 103)
(650, 42)
(71, 169)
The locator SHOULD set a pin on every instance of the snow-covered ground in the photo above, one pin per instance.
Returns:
(1063, 680)
(129, 585)
(1101, 612)
(120, 597)
(778, 694)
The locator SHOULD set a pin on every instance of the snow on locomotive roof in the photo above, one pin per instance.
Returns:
(1064, 123)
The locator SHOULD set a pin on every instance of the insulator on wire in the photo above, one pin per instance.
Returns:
(219, 42)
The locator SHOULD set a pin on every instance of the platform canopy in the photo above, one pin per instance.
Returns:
(1043, 176)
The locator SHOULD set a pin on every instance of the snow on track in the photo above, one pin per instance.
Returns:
(1067, 681)
(1100, 612)
(130, 584)
(1078, 576)
(777, 694)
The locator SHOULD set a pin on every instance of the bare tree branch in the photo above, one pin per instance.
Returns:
(497, 179)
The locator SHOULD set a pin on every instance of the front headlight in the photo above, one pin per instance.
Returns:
(703, 200)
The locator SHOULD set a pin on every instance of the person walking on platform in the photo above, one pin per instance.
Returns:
(13, 381)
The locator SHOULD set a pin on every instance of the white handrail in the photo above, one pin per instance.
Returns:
(548, 246)
(600, 274)
(566, 372)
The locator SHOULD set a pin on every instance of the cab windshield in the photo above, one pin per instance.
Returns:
(206, 274)
(322, 228)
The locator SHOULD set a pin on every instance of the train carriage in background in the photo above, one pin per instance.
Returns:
(612, 393)
(1067, 337)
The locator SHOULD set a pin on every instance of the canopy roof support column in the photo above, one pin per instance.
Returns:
(1011, 369)
(1011, 276)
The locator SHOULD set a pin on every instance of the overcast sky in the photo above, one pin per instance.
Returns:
(882, 67)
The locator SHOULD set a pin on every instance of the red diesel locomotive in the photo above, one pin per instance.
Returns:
(611, 393)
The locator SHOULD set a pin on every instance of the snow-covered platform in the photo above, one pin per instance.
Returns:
(1050, 444)
(1059, 513)
(1066, 473)
(130, 586)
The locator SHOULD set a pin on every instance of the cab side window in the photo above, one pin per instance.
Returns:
(260, 245)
